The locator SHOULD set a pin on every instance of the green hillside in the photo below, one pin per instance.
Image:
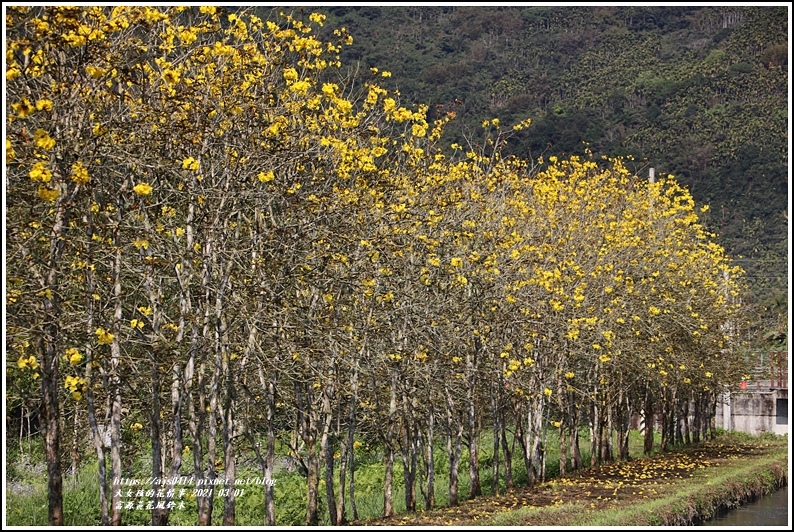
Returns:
(698, 92)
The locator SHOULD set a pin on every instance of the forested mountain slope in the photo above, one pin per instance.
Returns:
(697, 92)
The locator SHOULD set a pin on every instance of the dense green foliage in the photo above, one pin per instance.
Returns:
(698, 92)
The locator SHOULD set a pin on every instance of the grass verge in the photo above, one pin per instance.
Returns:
(722, 475)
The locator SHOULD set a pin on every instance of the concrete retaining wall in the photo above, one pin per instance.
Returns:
(754, 411)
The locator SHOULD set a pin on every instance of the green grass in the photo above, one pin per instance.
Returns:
(679, 503)
(693, 498)
(81, 499)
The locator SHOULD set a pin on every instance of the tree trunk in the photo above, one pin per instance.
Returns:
(678, 420)
(115, 409)
(97, 436)
(605, 437)
(697, 418)
(52, 430)
(75, 443)
(454, 452)
(595, 433)
(270, 496)
(345, 450)
(506, 451)
(622, 425)
(49, 348)
(430, 467)
(223, 386)
(649, 415)
(177, 445)
(229, 451)
(307, 424)
(196, 407)
(266, 462)
(206, 508)
(539, 445)
(497, 434)
(474, 460)
(685, 419)
(454, 437)
(159, 516)
(99, 444)
(408, 454)
(312, 480)
(576, 454)
(351, 420)
(665, 421)
(208, 413)
(388, 502)
(327, 453)
(563, 433)
(388, 505)
(524, 440)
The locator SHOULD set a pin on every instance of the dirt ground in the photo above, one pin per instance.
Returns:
(612, 485)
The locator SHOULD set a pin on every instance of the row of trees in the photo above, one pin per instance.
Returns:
(211, 234)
